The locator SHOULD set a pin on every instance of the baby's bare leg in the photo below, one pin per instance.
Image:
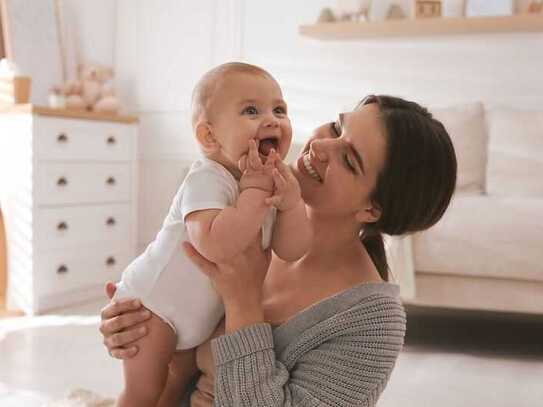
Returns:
(182, 368)
(146, 373)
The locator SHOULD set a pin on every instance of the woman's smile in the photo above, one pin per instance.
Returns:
(305, 167)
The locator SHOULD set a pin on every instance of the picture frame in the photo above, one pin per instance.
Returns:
(31, 37)
(485, 8)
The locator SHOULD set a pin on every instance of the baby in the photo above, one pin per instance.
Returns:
(240, 191)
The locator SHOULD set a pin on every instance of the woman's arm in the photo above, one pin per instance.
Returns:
(341, 362)
(345, 360)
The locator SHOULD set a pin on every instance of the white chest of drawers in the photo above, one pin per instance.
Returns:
(68, 196)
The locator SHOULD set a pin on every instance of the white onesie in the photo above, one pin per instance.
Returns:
(164, 278)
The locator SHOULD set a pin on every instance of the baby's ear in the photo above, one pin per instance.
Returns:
(205, 137)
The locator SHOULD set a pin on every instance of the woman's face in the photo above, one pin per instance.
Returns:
(339, 165)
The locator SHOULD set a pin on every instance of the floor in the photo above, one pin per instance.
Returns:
(450, 359)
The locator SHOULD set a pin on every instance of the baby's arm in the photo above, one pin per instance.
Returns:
(221, 234)
(292, 231)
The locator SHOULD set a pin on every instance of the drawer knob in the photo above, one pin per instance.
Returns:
(110, 261)
(110, 181)
(62, 182)
(62, 226)
(110, 221)
(111, 140)
(62, 269)
(62, 138)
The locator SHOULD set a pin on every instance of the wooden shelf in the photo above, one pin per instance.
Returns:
(423, 27)
(70, 114)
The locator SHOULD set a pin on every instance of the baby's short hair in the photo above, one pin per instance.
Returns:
(207, 86)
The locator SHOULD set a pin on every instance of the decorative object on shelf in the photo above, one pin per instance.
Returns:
(381, 9)
(484, 8)
(326, 16)
(14, 87)
(395, 12)
(352, 10)
(453, 8)
(92, 91)
(521, 6)
(56, 98)
(536, 6)
(411, 27)
(427, 8)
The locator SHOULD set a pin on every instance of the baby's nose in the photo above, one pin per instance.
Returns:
(270, 122)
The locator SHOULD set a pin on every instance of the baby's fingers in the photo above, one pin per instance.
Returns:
(279, 180)
(254, 159)
(242, 163)
(271, 158)
(273, 200)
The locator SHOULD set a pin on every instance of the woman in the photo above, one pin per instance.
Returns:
(325, 330)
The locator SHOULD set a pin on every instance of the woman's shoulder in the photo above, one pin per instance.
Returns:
(347, 312)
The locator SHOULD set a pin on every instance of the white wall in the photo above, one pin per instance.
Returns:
(91, 28)
(163, 47)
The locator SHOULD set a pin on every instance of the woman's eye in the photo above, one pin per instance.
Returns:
(348, 163)
(250, 110)
(280, 110)
(336, 131)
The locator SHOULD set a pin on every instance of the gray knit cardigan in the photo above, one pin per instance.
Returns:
(338, 352)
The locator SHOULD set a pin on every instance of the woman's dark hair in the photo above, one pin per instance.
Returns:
(418, 180)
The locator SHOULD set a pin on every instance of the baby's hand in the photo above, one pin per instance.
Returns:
(287, 193)
(255, 174)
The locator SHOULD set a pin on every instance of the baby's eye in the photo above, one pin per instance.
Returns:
(250, 110)
(280, 110)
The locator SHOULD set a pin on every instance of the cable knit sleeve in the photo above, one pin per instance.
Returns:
(345, 360)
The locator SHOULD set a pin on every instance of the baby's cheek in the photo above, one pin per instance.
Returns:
(287, 137)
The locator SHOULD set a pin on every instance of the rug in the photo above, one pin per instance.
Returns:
(82, 398)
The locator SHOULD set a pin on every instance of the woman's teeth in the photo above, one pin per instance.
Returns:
(310, 169)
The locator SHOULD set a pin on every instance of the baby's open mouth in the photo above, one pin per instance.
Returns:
(266, 144)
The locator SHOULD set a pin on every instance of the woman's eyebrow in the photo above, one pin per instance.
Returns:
(355, 152)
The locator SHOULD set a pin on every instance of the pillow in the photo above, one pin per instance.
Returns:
(515, 152)
(466, 126)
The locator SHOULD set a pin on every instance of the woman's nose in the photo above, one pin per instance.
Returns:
(320, 148)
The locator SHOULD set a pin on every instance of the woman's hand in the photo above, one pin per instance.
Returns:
(122, 325)
(239, 282)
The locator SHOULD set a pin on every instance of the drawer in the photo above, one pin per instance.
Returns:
(65, 270)
(70, 227)
(70, 140)
(66, 183)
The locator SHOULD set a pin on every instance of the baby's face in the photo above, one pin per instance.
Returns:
(250, 107)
